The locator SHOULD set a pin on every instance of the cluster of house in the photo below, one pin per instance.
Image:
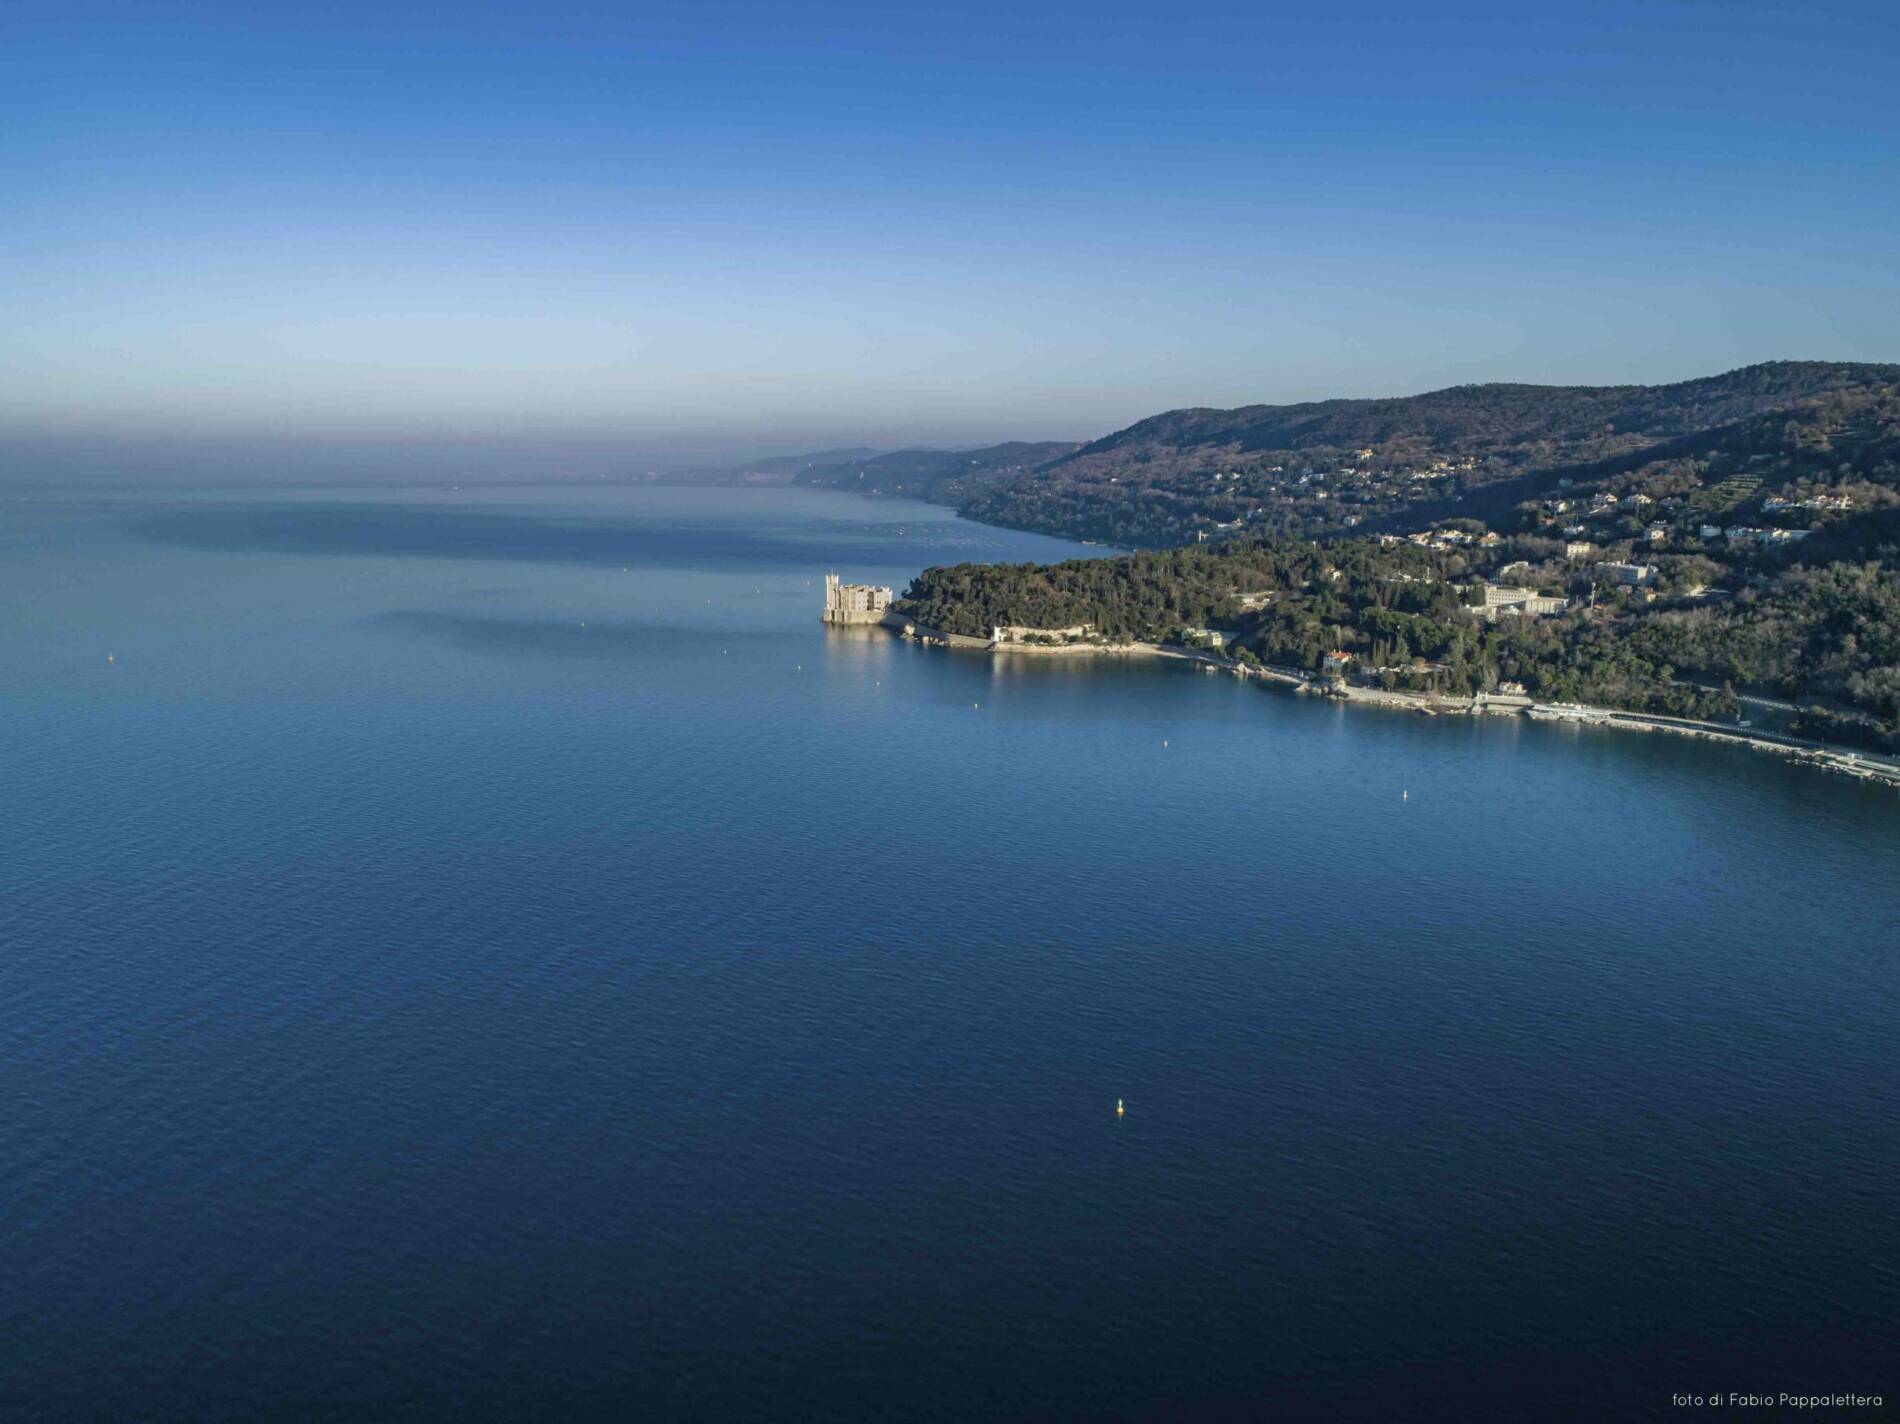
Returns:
(1443, 539)
(1774, 504)
(1003, 634)
(1362, 476)
(1748, 534)
(1437, 466)
(1605, 502)
(1657, 531)
(1632, 575)
(1340, 666)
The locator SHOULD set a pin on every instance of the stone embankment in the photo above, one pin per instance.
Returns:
(1840, 760)
(1858, 765)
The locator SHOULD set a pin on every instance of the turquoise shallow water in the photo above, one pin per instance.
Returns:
(492, 953)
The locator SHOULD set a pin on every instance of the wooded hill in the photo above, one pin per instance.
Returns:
(1773, 545)
(1826, 637)
(938, 476)
(941, 476)
(1339, 465)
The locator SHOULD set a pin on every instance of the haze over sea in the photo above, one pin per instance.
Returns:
(492, 953)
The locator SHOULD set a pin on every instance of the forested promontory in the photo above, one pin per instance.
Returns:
(1761, 557)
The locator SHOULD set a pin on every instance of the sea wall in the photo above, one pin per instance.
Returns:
(1817, 754)
(1075, 650)
(852, 617)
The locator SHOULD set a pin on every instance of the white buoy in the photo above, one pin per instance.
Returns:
(1119, 1109)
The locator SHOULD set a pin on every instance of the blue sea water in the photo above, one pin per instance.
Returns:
(491, 953)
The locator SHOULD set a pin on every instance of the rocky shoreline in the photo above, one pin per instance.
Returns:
(1840, 760)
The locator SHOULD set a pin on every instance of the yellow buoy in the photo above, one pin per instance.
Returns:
(1119, 1109)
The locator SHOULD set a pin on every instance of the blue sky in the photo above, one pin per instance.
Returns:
(624, 232)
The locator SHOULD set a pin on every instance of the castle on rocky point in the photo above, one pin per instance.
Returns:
(855, 602)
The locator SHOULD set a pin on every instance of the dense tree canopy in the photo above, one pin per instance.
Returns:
(1828, 636)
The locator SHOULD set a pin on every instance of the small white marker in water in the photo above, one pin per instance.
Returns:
(1120, 1111)
(108, 657)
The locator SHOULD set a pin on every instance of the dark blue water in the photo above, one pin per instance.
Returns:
(495, 955)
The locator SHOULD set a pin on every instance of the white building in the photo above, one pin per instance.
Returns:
(1005, 633)
(1502, 599)
(855, 602)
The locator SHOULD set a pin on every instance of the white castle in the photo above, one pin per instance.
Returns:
(855, 602)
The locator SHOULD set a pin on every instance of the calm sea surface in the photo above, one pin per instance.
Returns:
(493, 954)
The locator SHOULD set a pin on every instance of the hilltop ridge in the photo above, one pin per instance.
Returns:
(1332, 466)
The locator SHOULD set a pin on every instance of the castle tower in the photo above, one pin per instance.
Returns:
(854, 602)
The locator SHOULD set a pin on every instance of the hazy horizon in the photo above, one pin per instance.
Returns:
(436, 240)
(36, 458)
